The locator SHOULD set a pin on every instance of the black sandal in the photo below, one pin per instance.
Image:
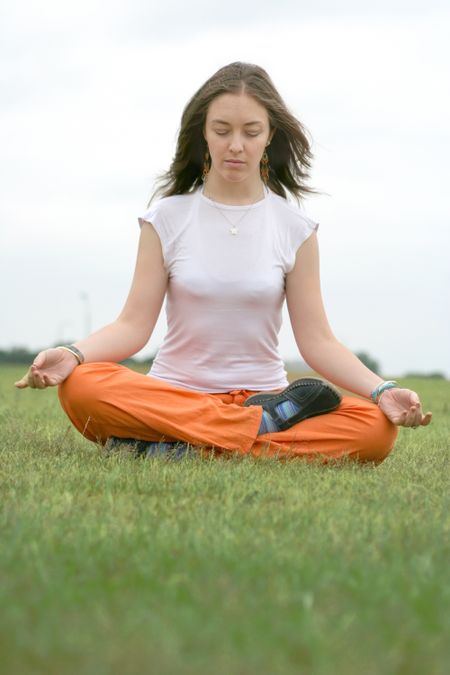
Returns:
(311, 395)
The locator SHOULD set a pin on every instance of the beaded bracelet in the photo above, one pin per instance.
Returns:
(73, 350)
(376, 393)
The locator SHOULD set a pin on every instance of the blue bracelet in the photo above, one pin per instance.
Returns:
(376, 393)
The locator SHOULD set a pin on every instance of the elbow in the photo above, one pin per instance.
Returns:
(135, 333)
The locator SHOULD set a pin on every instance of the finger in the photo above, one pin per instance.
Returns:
(36, 376)
(41, 382)
(23, 383)
(399, 420)
(49, 381)
(37, 379)
(416, 415)
(412, 418)
(26, 380)
(408, 417)
(418, 418)
(426, 419)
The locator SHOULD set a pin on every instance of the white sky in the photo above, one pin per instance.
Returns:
(91, 95)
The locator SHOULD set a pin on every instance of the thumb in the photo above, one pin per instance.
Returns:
(22, 383)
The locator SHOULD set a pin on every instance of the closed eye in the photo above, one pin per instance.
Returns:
(248, 133)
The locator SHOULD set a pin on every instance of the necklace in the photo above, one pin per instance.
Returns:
(234, 230)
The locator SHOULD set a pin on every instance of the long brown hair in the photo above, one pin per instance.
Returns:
(289, 151)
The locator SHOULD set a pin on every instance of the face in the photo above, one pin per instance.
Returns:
(237, 131)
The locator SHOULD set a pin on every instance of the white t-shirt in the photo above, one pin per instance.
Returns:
(225, 291)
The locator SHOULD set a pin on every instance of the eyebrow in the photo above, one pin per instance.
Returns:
(247, 124)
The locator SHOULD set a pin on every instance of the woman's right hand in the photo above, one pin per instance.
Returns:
(49, 368)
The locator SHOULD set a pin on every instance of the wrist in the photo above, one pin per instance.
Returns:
(74, 351)
(375, 395)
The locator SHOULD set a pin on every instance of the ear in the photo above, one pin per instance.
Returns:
(271, 135)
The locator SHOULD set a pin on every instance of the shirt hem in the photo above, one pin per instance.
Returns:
(225, 389)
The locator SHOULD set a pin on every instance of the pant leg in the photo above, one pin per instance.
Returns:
(357, 429)
(106, 399)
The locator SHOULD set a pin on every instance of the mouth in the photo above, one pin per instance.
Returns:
(234, 162)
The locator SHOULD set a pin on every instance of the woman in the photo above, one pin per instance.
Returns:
(226, 248)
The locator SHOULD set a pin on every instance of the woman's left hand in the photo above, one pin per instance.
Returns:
(403, 407)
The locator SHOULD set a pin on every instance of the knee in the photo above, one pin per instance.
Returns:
(85, 383)
(370, 435)
(73, 389)
(379, 437)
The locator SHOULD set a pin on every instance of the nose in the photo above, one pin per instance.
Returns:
(236, 144)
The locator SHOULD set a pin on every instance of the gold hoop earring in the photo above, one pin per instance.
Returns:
(265, 167)
(206, 166)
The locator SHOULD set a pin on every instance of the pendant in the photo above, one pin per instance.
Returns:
(234, 230)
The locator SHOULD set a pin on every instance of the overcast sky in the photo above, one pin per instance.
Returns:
(91, 98)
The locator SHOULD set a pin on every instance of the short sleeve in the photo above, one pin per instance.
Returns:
(155, 216)
(304, 228)
(300, 229)
(149, 216)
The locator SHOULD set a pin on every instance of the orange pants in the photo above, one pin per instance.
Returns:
(106, 399)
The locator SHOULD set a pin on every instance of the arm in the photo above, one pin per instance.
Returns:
(133, 327)
(315, 339)
(123, 337)
(328, 357)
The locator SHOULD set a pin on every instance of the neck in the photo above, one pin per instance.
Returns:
(244, 192)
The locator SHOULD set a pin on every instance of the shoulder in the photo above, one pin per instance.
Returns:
(167, 208)
(291, 217)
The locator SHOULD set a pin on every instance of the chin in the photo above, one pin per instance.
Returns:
(232, 177)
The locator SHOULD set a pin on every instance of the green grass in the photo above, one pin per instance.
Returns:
(110, 564)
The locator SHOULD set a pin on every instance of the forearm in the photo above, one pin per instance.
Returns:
(337, 364)
(116, 341)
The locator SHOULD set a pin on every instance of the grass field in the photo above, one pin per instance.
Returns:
(116, 565)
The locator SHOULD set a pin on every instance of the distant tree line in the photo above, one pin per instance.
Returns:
(19, 355)
(375, 367)
(435, 375)
(23, 356)
(369, 362)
